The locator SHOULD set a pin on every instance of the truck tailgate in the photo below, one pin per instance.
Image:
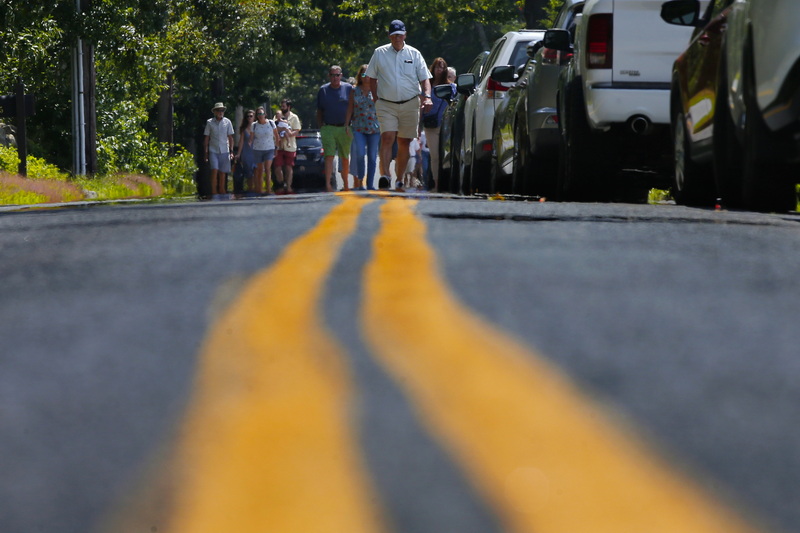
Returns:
(644, 46)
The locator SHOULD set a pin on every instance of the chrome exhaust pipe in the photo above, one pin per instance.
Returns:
(640, 125)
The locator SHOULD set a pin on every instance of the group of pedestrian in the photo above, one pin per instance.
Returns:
(265, 145)
(376, 118)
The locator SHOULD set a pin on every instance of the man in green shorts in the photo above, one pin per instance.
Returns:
(333, 117)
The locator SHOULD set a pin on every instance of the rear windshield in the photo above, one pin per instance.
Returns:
(308, 142)
(520, 55)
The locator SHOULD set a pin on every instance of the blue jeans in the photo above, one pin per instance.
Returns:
(365, 145)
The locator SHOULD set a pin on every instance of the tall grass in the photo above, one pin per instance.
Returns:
(160, 174)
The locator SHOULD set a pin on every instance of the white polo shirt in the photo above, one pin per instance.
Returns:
(398, 73)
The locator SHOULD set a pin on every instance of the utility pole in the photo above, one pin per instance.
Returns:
(84, 115)
(22, 134)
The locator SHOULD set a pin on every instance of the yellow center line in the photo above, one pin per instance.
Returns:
(267, 444)
(540, 452)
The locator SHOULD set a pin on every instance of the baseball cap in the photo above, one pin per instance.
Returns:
(396, 27)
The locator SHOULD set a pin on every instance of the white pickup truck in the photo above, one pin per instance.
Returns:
(613, 101)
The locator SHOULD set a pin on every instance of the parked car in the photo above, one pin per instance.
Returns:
(484, 95)
(309, 165)
(613, 97)
(451, 131)
(525, 134)
(735, 111)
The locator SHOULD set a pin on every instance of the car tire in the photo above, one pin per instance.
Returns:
(580, 161)
(520, 173)
(480, 171)
(443, 184)
(465, 170)
(691, 182)
(765, 179)
(727, 149)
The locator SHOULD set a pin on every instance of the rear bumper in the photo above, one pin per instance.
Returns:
(543, 129)
(608, 105)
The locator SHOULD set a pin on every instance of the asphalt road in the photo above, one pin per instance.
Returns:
(403, 363)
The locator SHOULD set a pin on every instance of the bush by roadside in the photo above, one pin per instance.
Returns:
(47, 184)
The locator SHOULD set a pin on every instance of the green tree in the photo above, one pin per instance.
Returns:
(243, 52)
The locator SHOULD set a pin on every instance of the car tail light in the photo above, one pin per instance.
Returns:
(599, 34)
(495, 89)
(550, 56)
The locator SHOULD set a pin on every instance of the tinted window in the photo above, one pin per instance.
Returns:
(306, 142)
(520, 54)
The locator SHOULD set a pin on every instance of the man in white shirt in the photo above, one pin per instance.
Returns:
(397, 72)
(218, 145)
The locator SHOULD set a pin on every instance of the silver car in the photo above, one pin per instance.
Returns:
(525, 135)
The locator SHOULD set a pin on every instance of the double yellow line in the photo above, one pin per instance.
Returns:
(268, 444)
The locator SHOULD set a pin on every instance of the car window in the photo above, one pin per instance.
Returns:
(719, 6)
(308, 141)
(520, 54)
(568, 13)
(498, 45)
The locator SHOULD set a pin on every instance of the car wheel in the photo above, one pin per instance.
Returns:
(465, 170)
(480, 171)
(495, 172)
(691, 184)
(766, 183)
(580, 163)
(520, 172)
(443, 184)
(727, 149)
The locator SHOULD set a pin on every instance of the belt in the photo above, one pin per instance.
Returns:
(401, 101)
(335, 125)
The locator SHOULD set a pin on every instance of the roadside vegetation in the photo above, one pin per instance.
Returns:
(160, 66)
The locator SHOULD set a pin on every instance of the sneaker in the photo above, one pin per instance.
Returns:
(384, 182)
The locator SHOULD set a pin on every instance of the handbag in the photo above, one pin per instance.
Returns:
(432, 120)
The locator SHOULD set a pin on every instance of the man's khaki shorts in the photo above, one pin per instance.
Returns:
(402, 118)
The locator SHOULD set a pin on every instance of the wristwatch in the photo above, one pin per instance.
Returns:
(426, 95)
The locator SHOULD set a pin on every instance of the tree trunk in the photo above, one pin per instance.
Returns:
(534, 12)
(165, 127)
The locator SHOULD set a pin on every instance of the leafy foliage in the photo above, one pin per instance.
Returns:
(242, 52)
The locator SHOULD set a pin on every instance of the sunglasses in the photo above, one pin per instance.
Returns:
(259, 114)
(334, 75)
(250, 116)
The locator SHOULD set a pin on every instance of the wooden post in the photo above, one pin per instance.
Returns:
(22, 136)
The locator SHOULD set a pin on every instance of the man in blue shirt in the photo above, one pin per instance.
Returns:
(333, 117)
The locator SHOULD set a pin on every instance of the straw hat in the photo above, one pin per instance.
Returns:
(218, 105)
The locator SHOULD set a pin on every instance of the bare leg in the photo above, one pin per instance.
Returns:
(289, 174)
(268, 173)
(328, 171)
(387, 141)
(346, 173)
(401, 162)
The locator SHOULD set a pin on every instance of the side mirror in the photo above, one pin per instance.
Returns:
(466, 83)
(504, 74)
(681, 12)
(445, 91)
(533, 47)
(558, 40)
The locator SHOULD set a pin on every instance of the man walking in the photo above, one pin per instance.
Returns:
(333, 116)
(397, 73)
(283, 165)
(218, 146)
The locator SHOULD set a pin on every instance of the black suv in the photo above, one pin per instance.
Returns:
(309, 165)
